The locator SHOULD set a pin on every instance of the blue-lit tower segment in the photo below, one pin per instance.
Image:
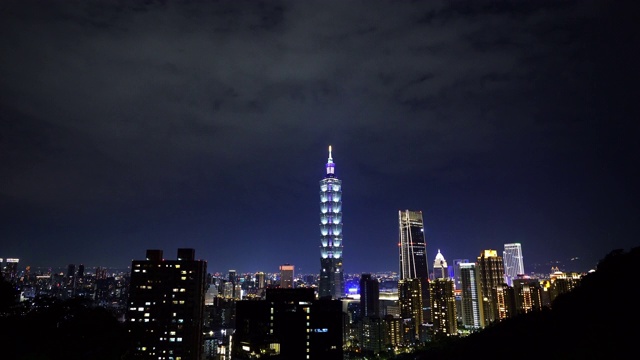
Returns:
(331, 278)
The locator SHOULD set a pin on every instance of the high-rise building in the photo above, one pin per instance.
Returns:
(471, 298)
(411, 308)
(443, 307)
(166, 306)
(290, 324)
(413, 254)
(260, 280)
(456, 272)
(440, 268)
(513, 263)
(491, 270)
(286, 276)
(233, 279)
(369, 296)
(331, 284)
(528, 295)
(71, 271)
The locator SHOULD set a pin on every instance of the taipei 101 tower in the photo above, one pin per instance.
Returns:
(331, 278)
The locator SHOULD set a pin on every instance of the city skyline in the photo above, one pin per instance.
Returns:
(141, 125)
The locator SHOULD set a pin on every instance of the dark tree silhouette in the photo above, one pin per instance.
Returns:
(595, 320)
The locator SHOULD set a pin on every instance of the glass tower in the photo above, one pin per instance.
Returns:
(331, 283)
(413, 254)
(513, 264)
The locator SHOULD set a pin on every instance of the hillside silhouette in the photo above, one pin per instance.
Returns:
(597, 320)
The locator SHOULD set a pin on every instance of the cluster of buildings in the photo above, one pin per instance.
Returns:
(176, 310)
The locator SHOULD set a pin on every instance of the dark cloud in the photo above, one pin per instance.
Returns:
(139, 123)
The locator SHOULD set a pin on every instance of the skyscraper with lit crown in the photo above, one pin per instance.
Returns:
(513, 264)
(331, 284)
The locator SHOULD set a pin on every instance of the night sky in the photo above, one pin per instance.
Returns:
(135, 125)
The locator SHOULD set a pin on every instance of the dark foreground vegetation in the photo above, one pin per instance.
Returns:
(600, 319)
(55, 330)
(597, 320)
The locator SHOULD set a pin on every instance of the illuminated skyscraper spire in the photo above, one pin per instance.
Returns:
(330, 164)
(331, 282)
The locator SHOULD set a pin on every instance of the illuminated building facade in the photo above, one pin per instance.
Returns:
(491, 270)
(286, 276)
(443, 307)
(411, 308)
(331, 283)
(513, 263)
(413, 254)
(528, 295)
(471, 297)
(166, 306)
(440, 268)
(260, 280)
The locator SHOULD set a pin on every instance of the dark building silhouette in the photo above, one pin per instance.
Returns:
(289, 324)
(369, 296)
(166, 306)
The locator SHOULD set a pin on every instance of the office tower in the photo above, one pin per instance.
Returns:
(440, 268)
(443, 307)
(369, 296)
(411, 308)
(260, 280)
(456, 272)
(81, 271)
(289, 323)
(491, 270)
(331, 283)
(471, 297)
(286, 276)
(513, 264)
(166, 306)
(413, 253)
